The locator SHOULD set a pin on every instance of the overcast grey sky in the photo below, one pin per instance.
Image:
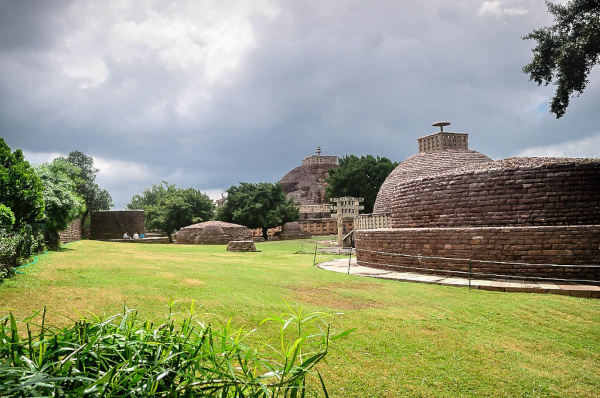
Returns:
(206, 94)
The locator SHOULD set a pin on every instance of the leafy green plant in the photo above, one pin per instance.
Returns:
(123, 356)
(16, 247)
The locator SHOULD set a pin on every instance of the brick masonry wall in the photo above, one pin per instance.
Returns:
(112, 224)
(578, 245)
(72, 233)
(547, 194)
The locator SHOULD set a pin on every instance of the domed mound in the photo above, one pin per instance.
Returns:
(292, 230)
(306, 184)
(509, 192)
(421, 165)
(212, 233)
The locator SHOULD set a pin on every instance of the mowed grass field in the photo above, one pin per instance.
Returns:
(411, 339)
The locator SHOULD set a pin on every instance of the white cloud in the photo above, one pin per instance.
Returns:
(203, 43)
(499, 8)
(37, 158)
(588, 147)
(120, 171)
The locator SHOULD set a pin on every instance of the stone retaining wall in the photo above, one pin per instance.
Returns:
(112, 224)
(578, 245)
(72, 233)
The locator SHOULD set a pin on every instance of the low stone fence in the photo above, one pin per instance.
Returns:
(327, 226)
(372, 221)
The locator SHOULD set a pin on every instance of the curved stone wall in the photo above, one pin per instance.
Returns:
(511, 192)
(423, 165)
(573, 245)
(212, 233)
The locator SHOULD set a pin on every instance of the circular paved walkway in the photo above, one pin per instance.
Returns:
(502, 285)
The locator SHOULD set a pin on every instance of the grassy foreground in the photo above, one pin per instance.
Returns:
(412, 339)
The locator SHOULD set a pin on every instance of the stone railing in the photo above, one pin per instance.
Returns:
(372, 221)
(441, 141)
(315, 209)
(318, 160)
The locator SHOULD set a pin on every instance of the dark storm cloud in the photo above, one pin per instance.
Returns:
(207, 94)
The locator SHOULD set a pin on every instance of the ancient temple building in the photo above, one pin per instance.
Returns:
(306, 185)
(450, 210)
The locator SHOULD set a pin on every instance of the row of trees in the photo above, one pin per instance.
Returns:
(44, 199)
(169, 208)
(262, 205)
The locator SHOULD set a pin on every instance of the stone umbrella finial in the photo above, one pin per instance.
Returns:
(441, 125)
(319, 151)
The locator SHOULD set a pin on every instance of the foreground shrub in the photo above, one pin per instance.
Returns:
(122, 356)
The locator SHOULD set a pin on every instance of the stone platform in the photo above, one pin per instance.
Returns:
(501, 285)
(241, 246)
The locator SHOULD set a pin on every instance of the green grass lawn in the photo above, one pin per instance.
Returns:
(411, 339)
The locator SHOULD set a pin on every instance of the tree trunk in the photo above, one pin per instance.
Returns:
(264, 232)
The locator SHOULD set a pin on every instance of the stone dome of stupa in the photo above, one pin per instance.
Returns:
(438, 153)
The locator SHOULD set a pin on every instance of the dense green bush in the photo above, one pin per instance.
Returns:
(20, 187)
(7, 217)
(62, 202)
(16, 247)
(121, 356)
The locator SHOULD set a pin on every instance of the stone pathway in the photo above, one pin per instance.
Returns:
(500, 285)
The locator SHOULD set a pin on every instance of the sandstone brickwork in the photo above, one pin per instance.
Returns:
(510, 192)
(241, 246)
(517, 210)
(72, 233)
(213, 233)
(306, 184)
(320, 160)
(423, 165)
(112, 224)
(324, 226)
(576, 245)
(292, 230)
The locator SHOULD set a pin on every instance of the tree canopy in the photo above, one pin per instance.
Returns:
(20, 187)
(262, 205)
(566, 51)
(359, 177)
(168, 207)
(95, 198)
(62, 202)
